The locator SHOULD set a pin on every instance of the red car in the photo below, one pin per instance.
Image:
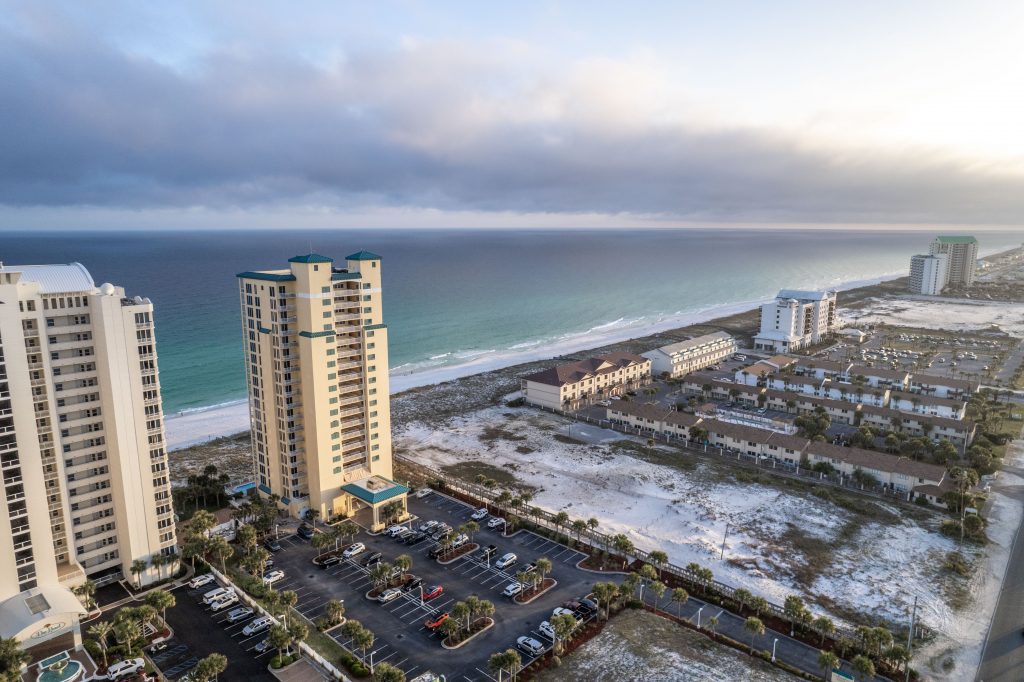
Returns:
(432, 591)
(435, 622)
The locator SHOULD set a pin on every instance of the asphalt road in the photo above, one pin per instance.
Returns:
(1003, 656)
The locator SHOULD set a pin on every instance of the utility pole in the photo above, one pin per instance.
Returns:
(724, 537)
(910, 638)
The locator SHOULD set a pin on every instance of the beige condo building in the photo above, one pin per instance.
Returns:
(316, 359)
(85, 482)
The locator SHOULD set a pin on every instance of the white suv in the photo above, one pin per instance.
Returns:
(506, 561)
(257, 626)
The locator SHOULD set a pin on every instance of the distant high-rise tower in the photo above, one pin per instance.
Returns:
(316, 359)
(81, 447)
(963, 258)
(928, 273)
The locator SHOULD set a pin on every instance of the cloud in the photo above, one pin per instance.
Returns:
(433, 126)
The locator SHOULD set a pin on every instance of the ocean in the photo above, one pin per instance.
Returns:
(459, 301)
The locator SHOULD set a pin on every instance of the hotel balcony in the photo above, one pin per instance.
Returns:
(70, 573)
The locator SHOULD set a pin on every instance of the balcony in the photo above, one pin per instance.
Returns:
(289, 320)
(349, 365)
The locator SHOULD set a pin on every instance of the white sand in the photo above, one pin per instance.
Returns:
(950, 314)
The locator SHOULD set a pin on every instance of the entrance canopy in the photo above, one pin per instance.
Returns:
(39, 613)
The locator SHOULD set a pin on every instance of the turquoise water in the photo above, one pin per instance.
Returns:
(457, 296)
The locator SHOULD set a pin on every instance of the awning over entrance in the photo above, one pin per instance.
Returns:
(39, 614)
(375, 489)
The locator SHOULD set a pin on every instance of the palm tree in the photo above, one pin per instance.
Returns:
(658, 588)
(201, 522)
(755, 627)
(279, 638)
(161, 600)
(659, 559)
(221, 550)
(288, 599)
(211, 666)
(195, 546)
(603, 594)
(100, 632)
(385, 672)
(404, 563)
(484, 609)
(825, 626)
(712, 623)
(624, 547)
(137, 567)
(12, 657)
(680, 597)
(470, 527)
(322, 541)
(560, 519)
(347, 530)
(564, 625)
(497, 663)
(543, 568)
(335, 611)
(379, 573)
(863, 667)
(515, 662)
(828, 662)
(87, 591)
(450, 628)
(578, 526)
(461, 612)
(158, 561)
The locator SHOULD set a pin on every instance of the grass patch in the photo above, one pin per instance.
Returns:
(567, 440)
(469, 470)
(655, 455)
(493, 433)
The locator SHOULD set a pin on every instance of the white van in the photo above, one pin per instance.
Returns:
(217, 594)
(126, 667)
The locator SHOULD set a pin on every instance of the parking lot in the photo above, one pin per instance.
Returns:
(199, 631)
(401, 637)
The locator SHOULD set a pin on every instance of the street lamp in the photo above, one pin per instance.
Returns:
(773, 648)
(698, 616)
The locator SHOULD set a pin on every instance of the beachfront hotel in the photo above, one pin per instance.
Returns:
(796, 319)
(575, 384)
(85, 482)
(962, 252)
(316, 362)
(928, 273)
(677, 359)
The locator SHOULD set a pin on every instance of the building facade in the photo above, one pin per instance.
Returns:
(796, 319)
(928, 273)
(81, 446)
(677, 359)
(962, 254)
(316, 362)
(575, 384)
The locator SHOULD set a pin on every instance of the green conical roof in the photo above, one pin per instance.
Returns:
(363, 255)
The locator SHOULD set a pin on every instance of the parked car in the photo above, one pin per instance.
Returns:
(413, 584)
(488, 552)
(391, 531)
(159, 646)
(372, 558)
(547, 630)
(496, 522)
(423, 492)
(530, 568)
(530, 646)
(480, 513)
(506, 561)
(127, 667)
(389, 595)
(272, 544)
(257, 626)
(459, 540)
(435, 621)
(512, 589)
(432, 591)
(355, 549)
(588, 605)
(330, 561)
(263, 646)
(436, 552)
(273, 576)
(415, 538)
(305, 532)
(563, 611)
(216, 593)
(440, 531)
(241, 613)
(200, 580)
(427, 526)
(403, 534)
(224, 602)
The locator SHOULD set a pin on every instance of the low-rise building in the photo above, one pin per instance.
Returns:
(821, 368)
(900, 474)
(943, 387)
(842, 390)
(677, 359)
(896, 379)
(960, 432)
(927, 404)
(576, 384)
(808, 385)
(737, 437)
(755, 374)
(653, 419)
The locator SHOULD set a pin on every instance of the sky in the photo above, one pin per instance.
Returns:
(526, 114)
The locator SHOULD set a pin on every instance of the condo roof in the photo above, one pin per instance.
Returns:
(932, 380)
(576, 371)
(55, 279)
(957, 239)
(759, 369)
(805, 294)
(870, 459)
(310, 258)
(269, 275)
(680, 346)
(363, 255)
(879, 372)
(926, 399)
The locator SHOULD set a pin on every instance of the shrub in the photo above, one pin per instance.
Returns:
(276, 662)
(94, 650)
(517, 402)
(921, 501)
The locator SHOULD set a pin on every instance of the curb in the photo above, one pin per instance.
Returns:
(473, 547)
(553, 585)
(591, 570)
(471, 637)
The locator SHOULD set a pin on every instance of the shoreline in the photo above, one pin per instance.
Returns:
(200, 425)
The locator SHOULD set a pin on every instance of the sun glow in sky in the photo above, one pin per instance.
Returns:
(542, 112)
